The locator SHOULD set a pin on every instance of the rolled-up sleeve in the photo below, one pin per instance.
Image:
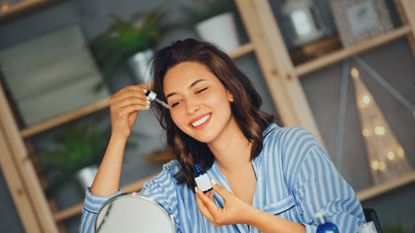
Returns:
(320, 187)
(91, 207)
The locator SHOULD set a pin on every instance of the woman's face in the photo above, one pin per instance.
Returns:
(200, 104)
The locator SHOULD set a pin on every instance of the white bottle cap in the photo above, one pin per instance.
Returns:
(203, 182)
(151, 95)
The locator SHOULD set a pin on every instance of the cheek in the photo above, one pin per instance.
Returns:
(220, 103)
(177, 119)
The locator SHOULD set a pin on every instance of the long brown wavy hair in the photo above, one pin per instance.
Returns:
(245, 107)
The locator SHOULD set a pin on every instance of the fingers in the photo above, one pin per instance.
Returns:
(129, 93)
(131, 101)
(131, 98)
(211, 208)
(220, 190)
(124, 111)
(132, 88)
(203, 208)
(210, 194)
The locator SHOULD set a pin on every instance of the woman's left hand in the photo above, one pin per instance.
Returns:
(234, 211)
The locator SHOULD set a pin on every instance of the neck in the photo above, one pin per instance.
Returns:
(232, 150)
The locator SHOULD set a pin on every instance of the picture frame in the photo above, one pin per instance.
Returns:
(359, 20)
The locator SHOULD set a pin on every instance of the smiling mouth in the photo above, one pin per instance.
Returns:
(201, 121)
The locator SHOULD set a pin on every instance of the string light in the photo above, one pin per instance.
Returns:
(386, 157)
(380, 130)
(366, 132)
(382, 166)
(354, 72)
(391, 155)
(400, 152)
(375, 165)
(366, 99)
(5, 6)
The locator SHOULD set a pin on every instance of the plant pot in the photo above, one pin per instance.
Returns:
(86, 176)
(140, 65)
(220, 30)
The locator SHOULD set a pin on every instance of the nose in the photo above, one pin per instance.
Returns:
(192, 107)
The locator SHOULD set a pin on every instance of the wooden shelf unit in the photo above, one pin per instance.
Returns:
(345, 53)
(274, 61)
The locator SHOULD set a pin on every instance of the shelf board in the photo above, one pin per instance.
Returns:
(340, 55)
(379, 189)
(75, 210)
(23, 7)
(53, 122)
(242, 50)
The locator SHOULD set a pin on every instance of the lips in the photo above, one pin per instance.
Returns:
(200, 121)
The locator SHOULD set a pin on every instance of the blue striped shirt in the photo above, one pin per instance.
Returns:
(295, 179)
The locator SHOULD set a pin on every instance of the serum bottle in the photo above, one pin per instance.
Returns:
(325, 226)
(202, 179)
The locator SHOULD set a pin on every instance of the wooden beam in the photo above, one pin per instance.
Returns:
(24, 167)
(16, 187)
(406, 11)
(59, 120)
(76, 209)
(340, 55)
(285, 88)
(243, 50)
(377, 190)
(23, 7)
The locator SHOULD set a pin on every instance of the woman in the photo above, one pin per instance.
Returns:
(269, 178)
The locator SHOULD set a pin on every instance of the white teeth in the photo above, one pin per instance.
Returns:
(200, 121)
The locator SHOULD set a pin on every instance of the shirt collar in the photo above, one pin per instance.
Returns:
(269, 128)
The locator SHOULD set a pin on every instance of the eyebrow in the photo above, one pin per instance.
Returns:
(191, 85)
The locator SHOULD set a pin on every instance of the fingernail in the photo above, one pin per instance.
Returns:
(213, 182)
(144, 90)
(196, 189)
(148, 102)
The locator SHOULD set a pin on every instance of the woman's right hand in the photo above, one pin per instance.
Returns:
(124, 107)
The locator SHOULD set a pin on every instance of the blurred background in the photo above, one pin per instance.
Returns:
(344, 70)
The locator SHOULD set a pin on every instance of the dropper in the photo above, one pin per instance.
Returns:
(152, 96)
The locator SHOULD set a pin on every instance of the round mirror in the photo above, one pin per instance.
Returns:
(131, 212)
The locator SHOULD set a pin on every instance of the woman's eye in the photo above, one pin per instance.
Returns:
(201, 90)
(174, 104)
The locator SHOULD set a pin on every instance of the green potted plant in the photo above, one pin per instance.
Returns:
(75, 152)
(125, 38)
(403, 227)
(214, 21)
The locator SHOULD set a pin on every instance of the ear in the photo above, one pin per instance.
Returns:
(230, 96)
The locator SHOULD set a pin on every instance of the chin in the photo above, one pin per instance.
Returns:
(203, 139)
